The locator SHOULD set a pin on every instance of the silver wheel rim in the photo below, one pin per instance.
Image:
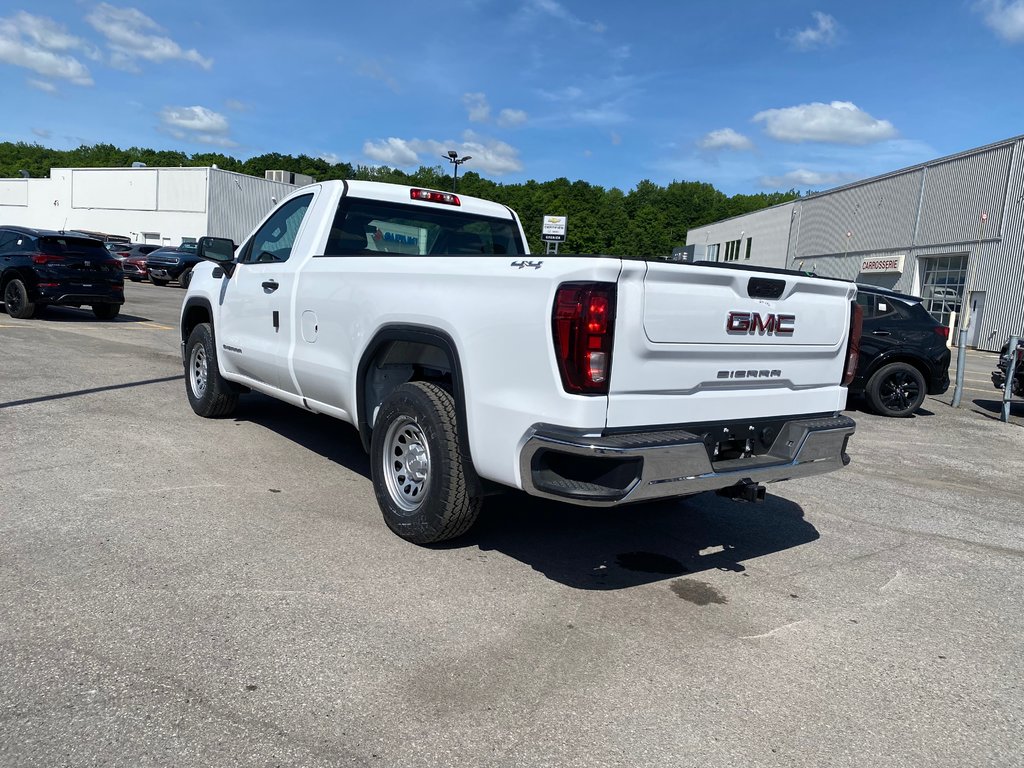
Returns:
(406, 462)
(197, 370)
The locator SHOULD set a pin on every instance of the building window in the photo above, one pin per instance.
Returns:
(712, 254)
(942, 285)
(732, 250)
(749, 241)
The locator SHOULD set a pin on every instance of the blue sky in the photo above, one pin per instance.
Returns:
(749, 95)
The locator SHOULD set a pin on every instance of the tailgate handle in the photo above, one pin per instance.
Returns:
(765, 288)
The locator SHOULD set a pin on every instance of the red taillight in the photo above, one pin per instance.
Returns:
(583, 327)
(853, 349)
(431, 196)
(46, 258)
(942, 330)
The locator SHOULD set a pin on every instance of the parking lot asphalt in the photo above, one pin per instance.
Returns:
(180, 591)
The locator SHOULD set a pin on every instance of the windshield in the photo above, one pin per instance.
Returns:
(371, 226)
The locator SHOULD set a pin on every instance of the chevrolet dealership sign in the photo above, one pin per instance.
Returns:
(553, 229)
(878, 264)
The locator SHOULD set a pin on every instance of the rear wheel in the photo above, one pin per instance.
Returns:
(896, 390)
(426, 489)
(106, 311)
(16, 299)
(209, 393)
(158, 281)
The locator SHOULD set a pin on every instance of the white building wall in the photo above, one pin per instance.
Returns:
(767, 232)
(156, 205)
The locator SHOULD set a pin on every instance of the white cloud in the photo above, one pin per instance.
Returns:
(823, 34)
(41, 45)
(476, 104)
(42, 133)
(804, 178)
(840, 122)
(392, 151)
(198, 119)
(559, 12)
(330, 157)
(508, 118)
(488, 155)
(197, 124)
(132, 35)
(725, 138)
(1004, 17)
(42, 85)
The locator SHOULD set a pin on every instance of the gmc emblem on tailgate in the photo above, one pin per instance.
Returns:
(752, 322)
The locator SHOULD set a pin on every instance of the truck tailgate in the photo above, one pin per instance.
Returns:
(695, 343)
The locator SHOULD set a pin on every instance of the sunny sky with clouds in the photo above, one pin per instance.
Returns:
(744, 94)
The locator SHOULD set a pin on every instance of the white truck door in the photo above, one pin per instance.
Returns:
(255, 313)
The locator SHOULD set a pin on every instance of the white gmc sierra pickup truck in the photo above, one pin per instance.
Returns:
(466, 364)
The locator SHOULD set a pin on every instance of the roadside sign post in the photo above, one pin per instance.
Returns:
(553, 230)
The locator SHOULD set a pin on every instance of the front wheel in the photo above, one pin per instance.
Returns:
(209, 393)
(426, 490)
(896, 390)
(185, 278)
(16, 299)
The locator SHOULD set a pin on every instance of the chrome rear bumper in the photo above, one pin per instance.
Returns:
(622, 468)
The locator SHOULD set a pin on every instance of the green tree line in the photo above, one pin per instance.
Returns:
(647, 220)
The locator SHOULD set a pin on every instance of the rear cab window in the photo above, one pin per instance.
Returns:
(365, 227)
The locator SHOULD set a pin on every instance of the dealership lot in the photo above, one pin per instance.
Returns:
(178, 591)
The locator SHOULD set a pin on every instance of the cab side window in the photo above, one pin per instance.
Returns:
(273, 242)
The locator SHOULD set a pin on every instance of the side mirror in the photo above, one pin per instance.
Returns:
(219, 250)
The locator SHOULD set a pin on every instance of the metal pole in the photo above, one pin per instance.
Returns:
(1011, 369)
(961, 362)
(455, 175)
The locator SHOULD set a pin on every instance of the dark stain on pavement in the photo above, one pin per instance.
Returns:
(697, 592)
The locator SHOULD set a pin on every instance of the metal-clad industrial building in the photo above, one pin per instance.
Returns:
(165, 206)
(941, 230)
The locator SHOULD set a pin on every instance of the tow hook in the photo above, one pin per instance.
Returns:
(743, 491)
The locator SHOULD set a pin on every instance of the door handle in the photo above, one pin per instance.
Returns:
(881, 333)
(270, 286)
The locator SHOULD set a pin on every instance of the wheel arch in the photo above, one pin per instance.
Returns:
(420, 349)
(923, 367)
(196, 310)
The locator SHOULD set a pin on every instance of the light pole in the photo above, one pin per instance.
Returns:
(455, 160)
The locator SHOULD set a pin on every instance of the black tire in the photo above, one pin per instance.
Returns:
(106, 311)
(158, 281)
(209, 393)
(185, 278)
(16, 300)
(425, 488)
(896, 390)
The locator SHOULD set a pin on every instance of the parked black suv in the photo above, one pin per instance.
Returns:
(40, 267)
(903, 353)
(172, 263)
